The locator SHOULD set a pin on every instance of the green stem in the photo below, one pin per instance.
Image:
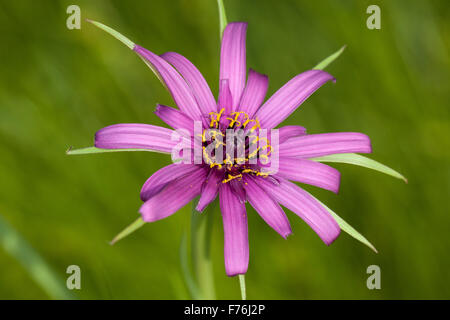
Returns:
(186, 271)
(201, 230)
(242, 285)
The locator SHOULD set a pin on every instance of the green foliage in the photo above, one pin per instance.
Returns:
(38, 269)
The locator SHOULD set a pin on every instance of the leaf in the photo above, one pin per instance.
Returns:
(359, 160)
(178, 286)
(201, 231)
(90, 150)
(324, 63)
(186, 271)
(222, 17)
(114, 33)
(128, 230)
(347, 228)
(14, 244)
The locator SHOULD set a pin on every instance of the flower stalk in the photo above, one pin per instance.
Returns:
(242, 285)
(201, 231)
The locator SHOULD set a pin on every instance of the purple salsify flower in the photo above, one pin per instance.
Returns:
(240, 102)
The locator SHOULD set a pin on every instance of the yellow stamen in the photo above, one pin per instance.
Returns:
(215, 122)
(235, 120)
(230, 177)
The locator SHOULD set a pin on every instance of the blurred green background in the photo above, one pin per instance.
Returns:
(59, 86)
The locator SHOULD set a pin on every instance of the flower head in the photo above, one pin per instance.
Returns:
(242, 122)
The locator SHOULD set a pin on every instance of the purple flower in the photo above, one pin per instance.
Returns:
(240, 106)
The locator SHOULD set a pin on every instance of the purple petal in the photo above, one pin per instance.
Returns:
(254, 92)
(195, 80)
(173, 197)
(225, 100)
(290, 96)
(317, 145)
(135, 136)
(175, 118)
(210, 189)
(177, 86)
(287, 132)
(162, 177)
(306, 207)
(237, 187)
(235, 231)
(268, 209)
(309, 172)
(232, 59)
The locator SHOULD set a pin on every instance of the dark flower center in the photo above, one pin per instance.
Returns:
(234, 144)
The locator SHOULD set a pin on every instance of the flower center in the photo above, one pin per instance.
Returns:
(234, 144)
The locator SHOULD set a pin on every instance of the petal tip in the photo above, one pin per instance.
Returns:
(330, 239)
(200, 207)
(287, 234)
(338, 183)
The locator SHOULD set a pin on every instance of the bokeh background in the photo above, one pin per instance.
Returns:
(58, 86)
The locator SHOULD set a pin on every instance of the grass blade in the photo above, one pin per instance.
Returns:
(14, 244)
